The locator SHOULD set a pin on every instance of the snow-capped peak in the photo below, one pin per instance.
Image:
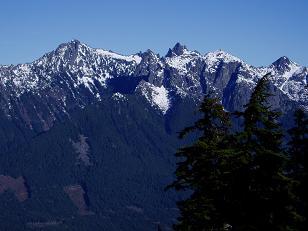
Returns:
(289, 77)
(85, 66)
(213, 59)
(77, 71)
(71, 48)
(179, 57)
(284, 65)
(77, 53)
(220, 55)
(282, 62)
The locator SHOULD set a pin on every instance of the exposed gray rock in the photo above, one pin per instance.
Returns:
(75, 75)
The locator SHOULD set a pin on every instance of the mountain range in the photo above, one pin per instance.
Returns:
(88, 136)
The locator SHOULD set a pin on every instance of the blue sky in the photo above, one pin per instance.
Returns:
(258, 31)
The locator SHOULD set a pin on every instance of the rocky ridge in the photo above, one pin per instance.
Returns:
(75, 75)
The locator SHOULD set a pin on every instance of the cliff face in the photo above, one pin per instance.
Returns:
(75, 75)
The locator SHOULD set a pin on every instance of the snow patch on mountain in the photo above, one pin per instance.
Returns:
(180, 62)
(156, 96)
(132, 58)
(118, 97)
(78, 73)
(213, 59)
(85, 67)
(281, 80)
(160, 98)
(293, 85)
(243, 79)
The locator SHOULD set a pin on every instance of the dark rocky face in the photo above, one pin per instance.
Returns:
(177, 50)
(282, 63)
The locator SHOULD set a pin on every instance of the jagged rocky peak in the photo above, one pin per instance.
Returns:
(282, 63)
(177, 50)
(282, 60)
(79, 71)
(73, 45)
(71, 48)
(65, 53)
(214, 59)
(148, 55)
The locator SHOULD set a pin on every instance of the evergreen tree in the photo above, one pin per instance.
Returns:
(204, 171)
(262, 191)
(298, 147)
(238, 181)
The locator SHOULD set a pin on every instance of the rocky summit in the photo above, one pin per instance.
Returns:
(92, 133)
(76, 75)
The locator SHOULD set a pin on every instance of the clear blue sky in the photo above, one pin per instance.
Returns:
(258, 31)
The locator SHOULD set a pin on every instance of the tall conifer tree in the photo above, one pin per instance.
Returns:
(298, 148)
(238, 181)
(264, 197)
(204, 170)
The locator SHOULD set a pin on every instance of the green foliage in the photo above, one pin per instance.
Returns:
(131, 164)
(237, 181)
(204, 169)
(298, 147)
(265, 197)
